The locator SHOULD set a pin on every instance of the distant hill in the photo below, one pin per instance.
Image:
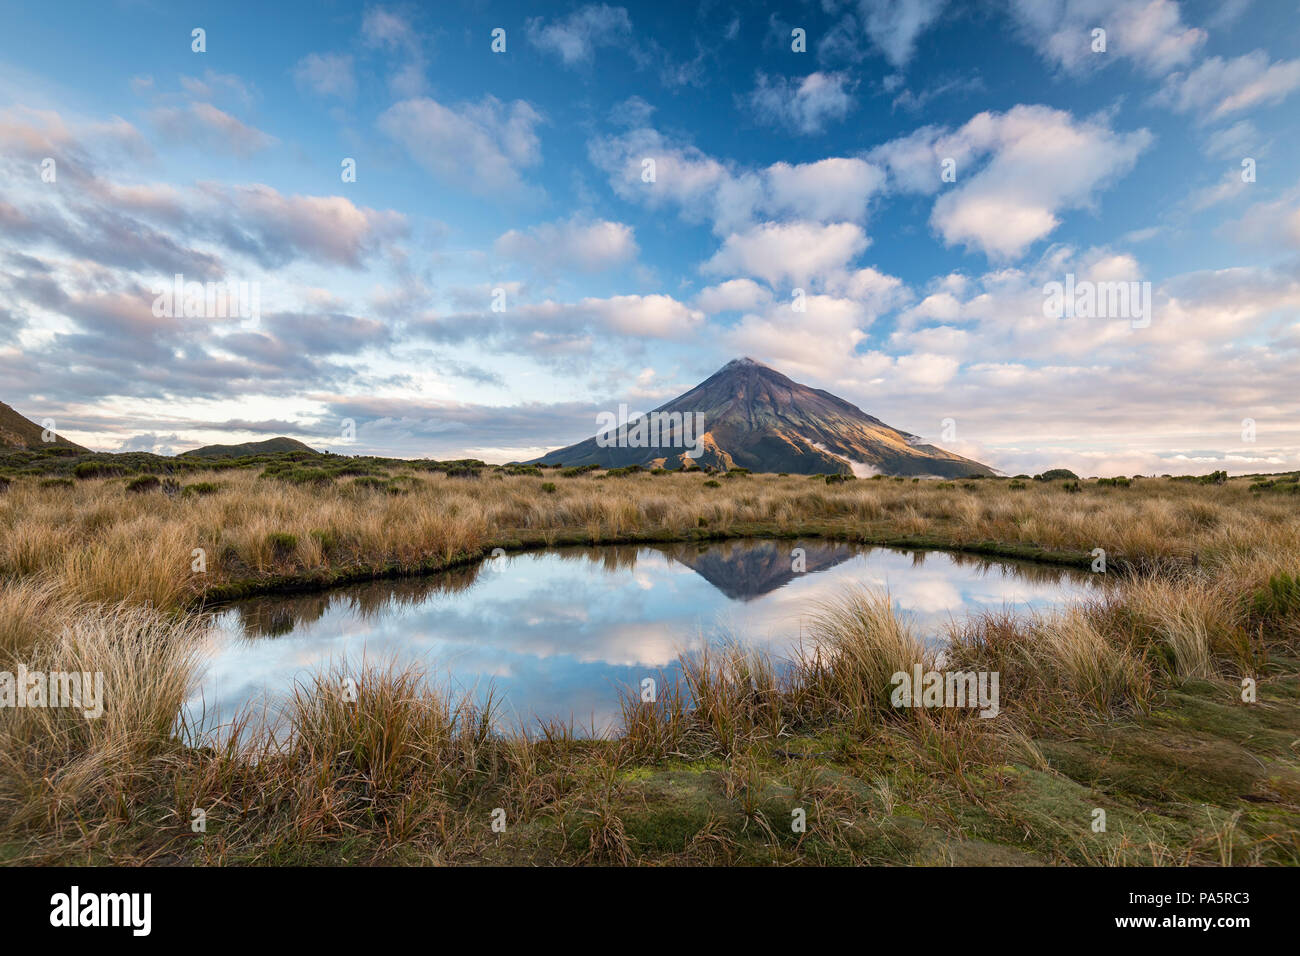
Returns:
(754, 417)
(272, 446)
(19, 433)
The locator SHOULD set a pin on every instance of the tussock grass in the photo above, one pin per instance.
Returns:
(858, 643)
(59, 764)
(98, 579)
(104, 543)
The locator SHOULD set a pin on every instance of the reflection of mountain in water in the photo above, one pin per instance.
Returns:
(745, 570)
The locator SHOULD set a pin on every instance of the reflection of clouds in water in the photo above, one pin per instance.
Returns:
(925, 596)
(556, 633)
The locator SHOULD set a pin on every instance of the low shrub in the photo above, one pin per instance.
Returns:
(97, 469)
(1280, 598)
(282, 543)
(143, 484)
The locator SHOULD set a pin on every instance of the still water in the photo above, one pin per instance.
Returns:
(556, 633)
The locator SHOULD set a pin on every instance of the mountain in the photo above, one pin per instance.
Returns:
(754, 417)
(745, 570)
(272, 446)
(19, 433)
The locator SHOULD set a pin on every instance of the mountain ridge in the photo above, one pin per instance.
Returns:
(21, 433)
(270, 446)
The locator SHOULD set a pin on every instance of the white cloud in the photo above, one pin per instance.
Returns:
(805, 106)
(874, 289)
(575, 39)
(585, 245)
(1219, 87)
(1271, 224)
(656, 316)
(797, 251)
(1237, 141)
(816, 342)
(895, 25)
(825, 191)
(1037, 163)
(481, 146)
(732, 198)
(734, 295)
(1151, 35)
(926, 370)
(330, 228)
(1230, 186)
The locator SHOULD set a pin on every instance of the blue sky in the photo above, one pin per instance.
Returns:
(776, 170)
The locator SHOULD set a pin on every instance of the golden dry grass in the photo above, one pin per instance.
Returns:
(97, 542)
(93, 578)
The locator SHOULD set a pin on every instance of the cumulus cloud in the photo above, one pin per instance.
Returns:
(574, 243)
(799, 251)
(731, 197)
(482, 146)
(1031, 164)
(733, 295)
(817, 342)
(575, 38)
(1270, 224)
(804, 106)
(1151, 35)
(1183, 383)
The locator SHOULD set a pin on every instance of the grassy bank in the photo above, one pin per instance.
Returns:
(103, 540)
(1131, 705)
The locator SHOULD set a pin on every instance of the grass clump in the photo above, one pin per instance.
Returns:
(143, 484)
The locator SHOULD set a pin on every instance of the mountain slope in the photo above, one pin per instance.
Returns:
(17, 432)
(271, 446)
(754, 417)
